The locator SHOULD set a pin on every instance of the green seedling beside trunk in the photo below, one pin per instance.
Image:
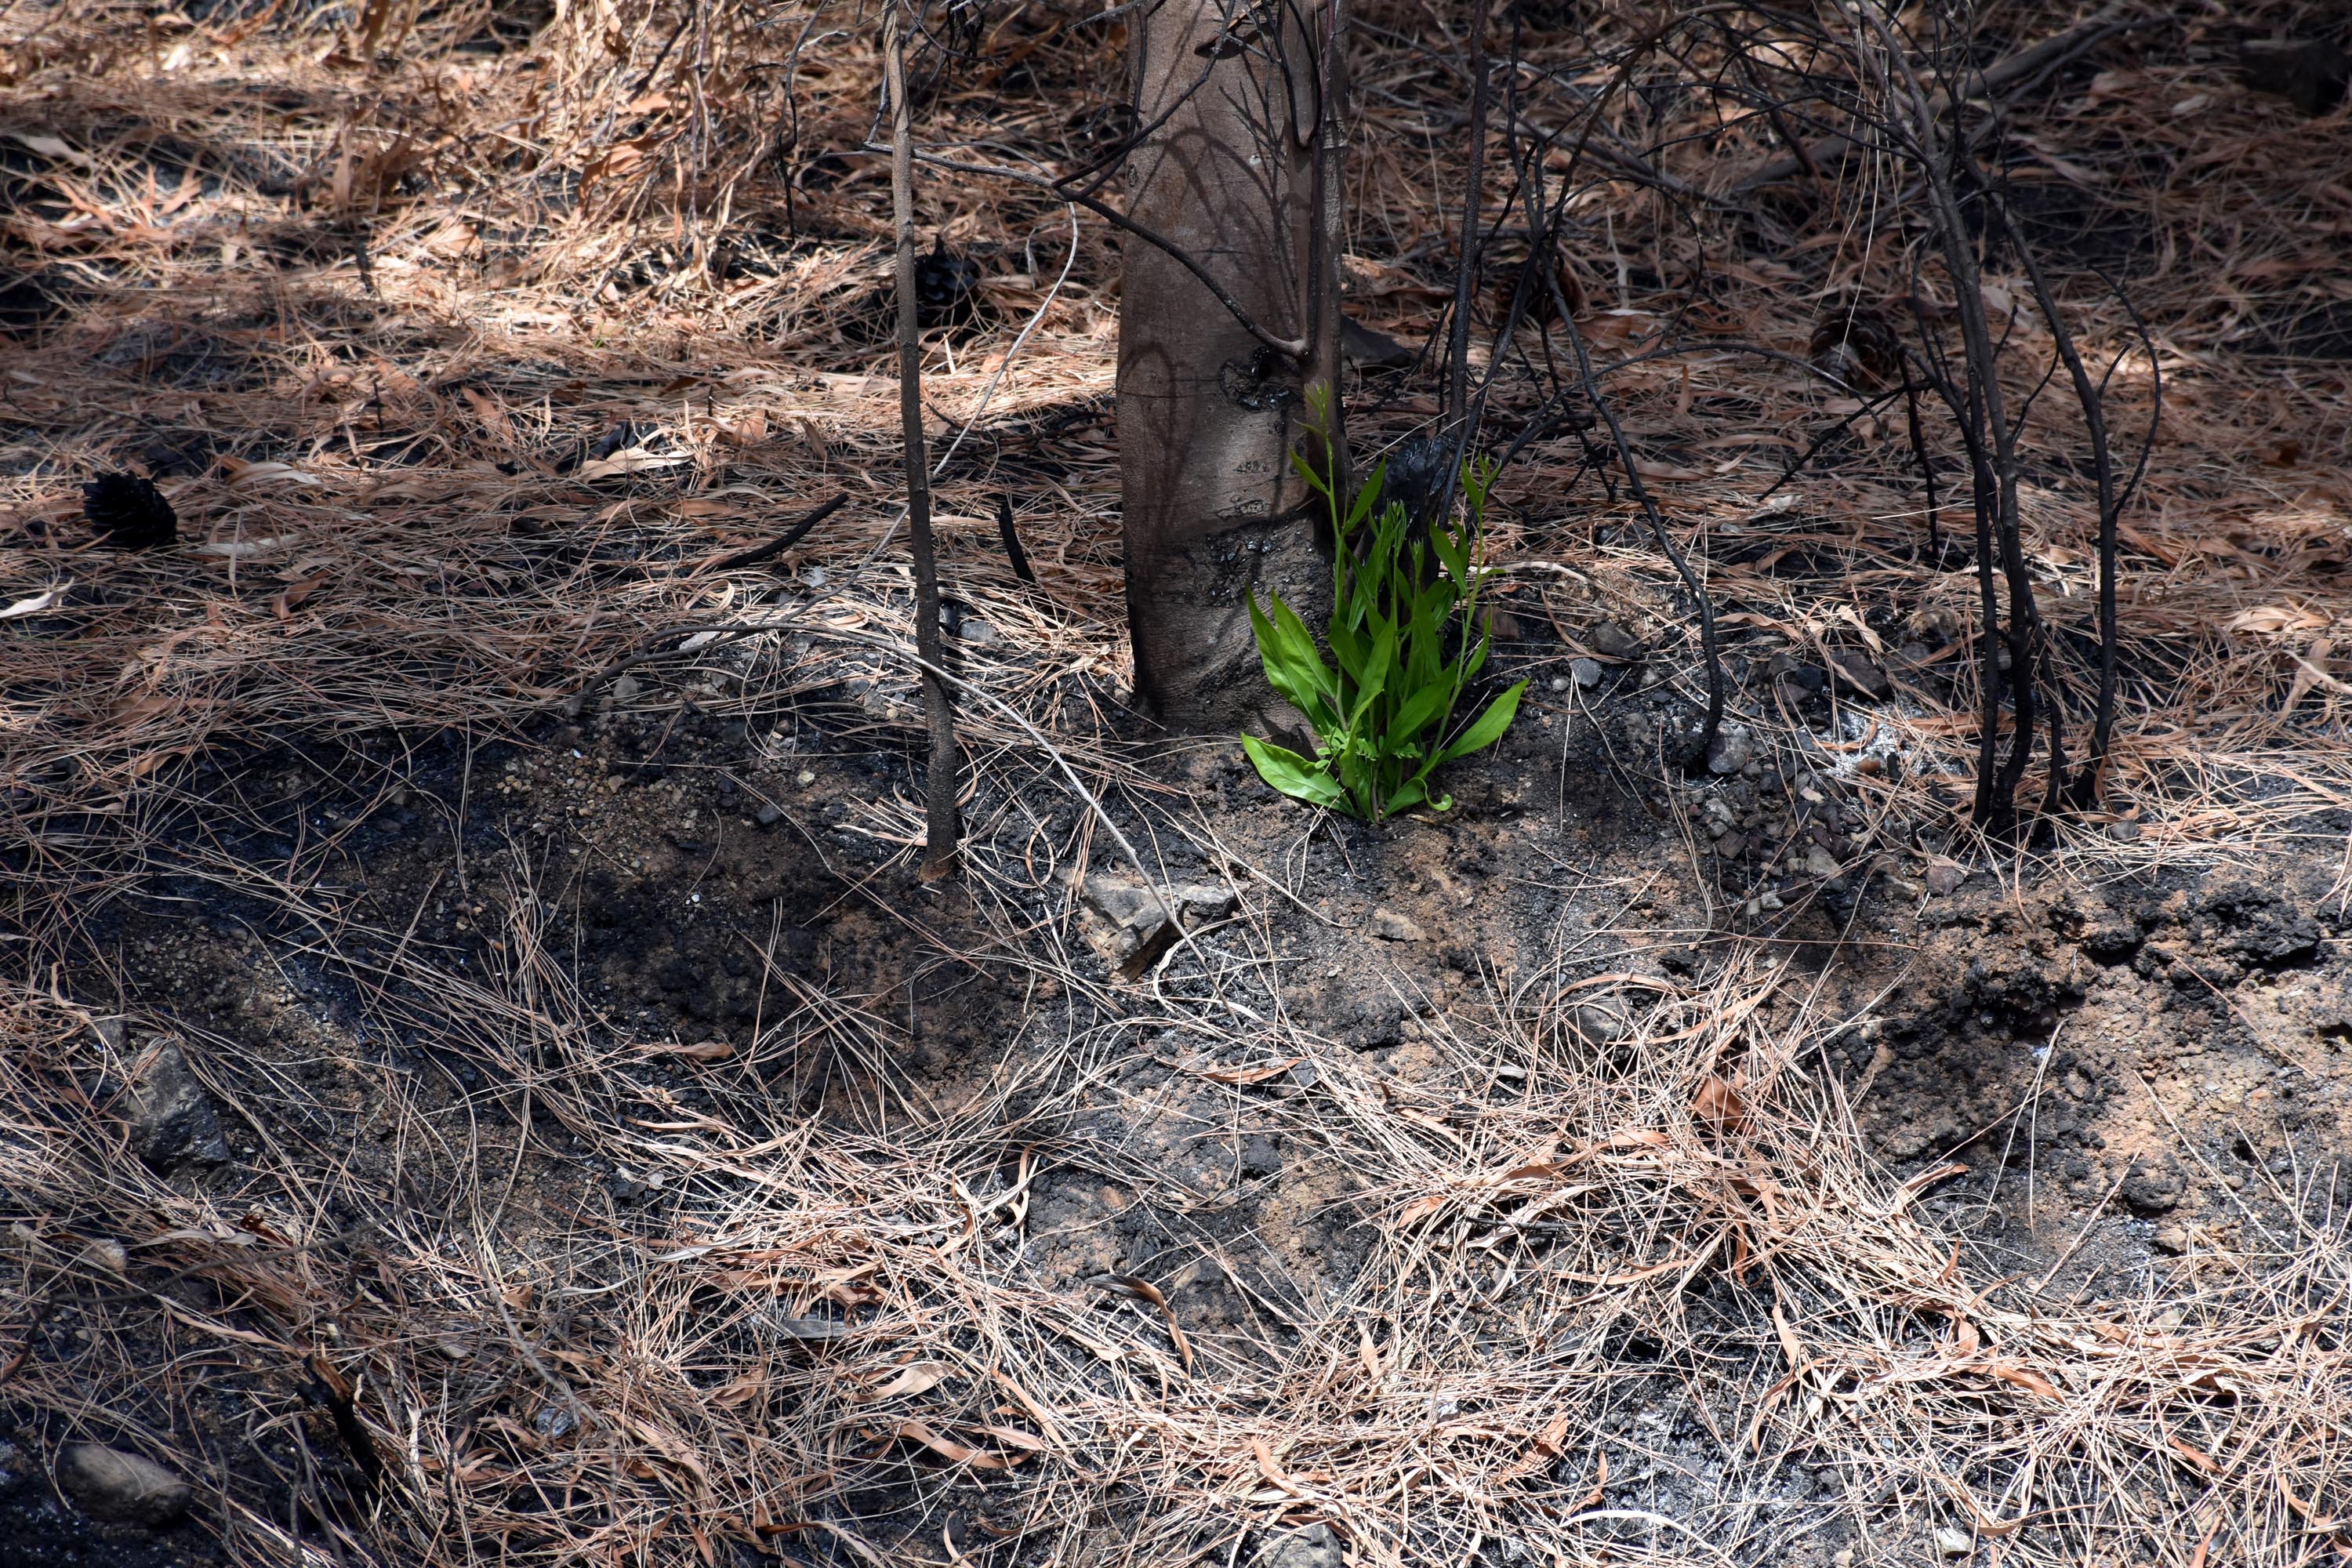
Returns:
(1403, 613)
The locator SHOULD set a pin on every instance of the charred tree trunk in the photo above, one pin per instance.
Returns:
(1239, 169)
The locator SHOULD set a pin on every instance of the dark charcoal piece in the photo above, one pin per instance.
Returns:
(129, 512)
(1416, 476)
(944, 286)
(2310, 74)
(33, 302)
(1373, 352)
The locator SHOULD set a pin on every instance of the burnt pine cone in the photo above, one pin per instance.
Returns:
(129, 512)
(1858, 346)
(944, 286)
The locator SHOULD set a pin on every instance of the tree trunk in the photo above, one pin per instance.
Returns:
(1239, 170)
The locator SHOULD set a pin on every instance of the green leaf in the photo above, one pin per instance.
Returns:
(1292, 668)
(1375, 677)
(1418, 713)
(1293, 775)
(1451, 551)
(1367, 496)
(1488, 727)
(1349, 647)
(1307, 471)
(1410, 794)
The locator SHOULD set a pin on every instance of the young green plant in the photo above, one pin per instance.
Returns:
(1402, 656)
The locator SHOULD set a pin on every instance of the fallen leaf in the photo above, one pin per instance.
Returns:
(704, 1051)
(2269, 620)
(2025, 1378)
(1145, 1290)
(242, 473)
(295, 592)
(47, 599)
(50, 147)
(134, 709)
(1421, 1207)
(235, 549)
(2310, 670)
(493, 418)
(629, 460)
(2195, 1455)
(809, 1331)
(1719, 1106)
(917, 1377)
(1239, 1075)
(949, 1448)
(1669, 473)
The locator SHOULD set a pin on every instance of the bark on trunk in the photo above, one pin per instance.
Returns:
(1207, 413)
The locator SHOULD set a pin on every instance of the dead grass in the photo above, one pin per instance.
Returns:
(381, 308)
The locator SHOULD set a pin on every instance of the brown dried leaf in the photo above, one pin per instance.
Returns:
(916, 1377)
(1719, 1105)
(949, 1449)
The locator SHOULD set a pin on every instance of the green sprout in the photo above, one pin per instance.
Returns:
(1400, 635)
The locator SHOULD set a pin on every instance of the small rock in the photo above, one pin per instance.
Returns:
(2172, 1241)
(1601, 1023)
(625, 689)
(804, 778)
(108, 1254)
(112, 1032)
(1855, 673)
(1206, 900)
(1951, 1541)
(1587, 672)
(1559, 683)
(1391, 926)
(1313, 1547)
(1134, 929)
(1820, 863)
(1610, 640)
(172, 1119)
(1944, 878)
(1733, 750)
(2124, 832)
(769, 815)
(110, 1484)
(1732, 845)
(2153, 1187)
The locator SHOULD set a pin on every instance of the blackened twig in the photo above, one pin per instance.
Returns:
(941, 827)
(1704, 741)
(783, 542)
(1465, 273)
(1993, 455)
(2083, 790)
(1011, 537)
